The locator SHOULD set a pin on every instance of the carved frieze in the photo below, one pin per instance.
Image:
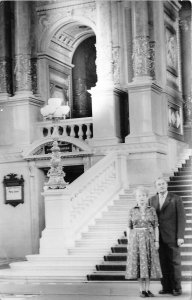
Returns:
(143, 56)
(5, 75)
(22, 72)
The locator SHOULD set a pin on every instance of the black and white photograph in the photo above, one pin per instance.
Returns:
(95, 149)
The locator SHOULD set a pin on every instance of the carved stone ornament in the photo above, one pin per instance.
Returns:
(22, 72)
(5, 75)
(56, 174)
(185, 24)
(175, 119)
(171, 49)
(143, 56)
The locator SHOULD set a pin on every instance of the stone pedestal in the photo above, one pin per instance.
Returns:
(56, 237)
(147, 141)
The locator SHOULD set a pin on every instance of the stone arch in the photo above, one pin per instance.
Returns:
(59, 40)
(29, 152)
(46, 40)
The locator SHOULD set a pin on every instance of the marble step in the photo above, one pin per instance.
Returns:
(110, 221)
(107, 227)
(61, 268)
(69, 259)
(31, 276)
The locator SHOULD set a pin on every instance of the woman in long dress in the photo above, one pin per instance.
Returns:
(143, 243)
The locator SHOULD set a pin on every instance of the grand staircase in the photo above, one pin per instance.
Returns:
(113, 265)
(99, 252)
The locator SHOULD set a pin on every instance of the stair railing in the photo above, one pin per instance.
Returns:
(70, 211)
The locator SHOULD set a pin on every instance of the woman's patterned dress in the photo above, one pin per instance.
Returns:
(143, 258)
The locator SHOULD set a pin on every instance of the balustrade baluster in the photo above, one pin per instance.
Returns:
(72, 133)
(64, 130)
(80, 133)
(88, 131)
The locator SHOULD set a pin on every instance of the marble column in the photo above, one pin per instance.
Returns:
(22, 59)
(5, 51)
(103, 99)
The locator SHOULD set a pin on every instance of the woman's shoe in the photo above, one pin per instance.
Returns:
(143, 294)
(150, 294)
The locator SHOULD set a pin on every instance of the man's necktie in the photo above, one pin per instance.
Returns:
(161, 201)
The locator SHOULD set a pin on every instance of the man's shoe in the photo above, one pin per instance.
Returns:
(143, 294)
(163, 292)
(177, 292)
(150, 294)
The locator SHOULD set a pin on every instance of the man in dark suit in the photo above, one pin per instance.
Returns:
(171, 216)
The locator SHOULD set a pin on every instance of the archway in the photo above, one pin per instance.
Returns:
(61, 48)
(83, 78)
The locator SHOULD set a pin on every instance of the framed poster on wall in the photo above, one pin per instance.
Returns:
(13, 189)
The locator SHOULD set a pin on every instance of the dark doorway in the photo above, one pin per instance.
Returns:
(84, 77)
(71, 172)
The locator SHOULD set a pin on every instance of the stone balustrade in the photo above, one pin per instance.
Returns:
(81, 128)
